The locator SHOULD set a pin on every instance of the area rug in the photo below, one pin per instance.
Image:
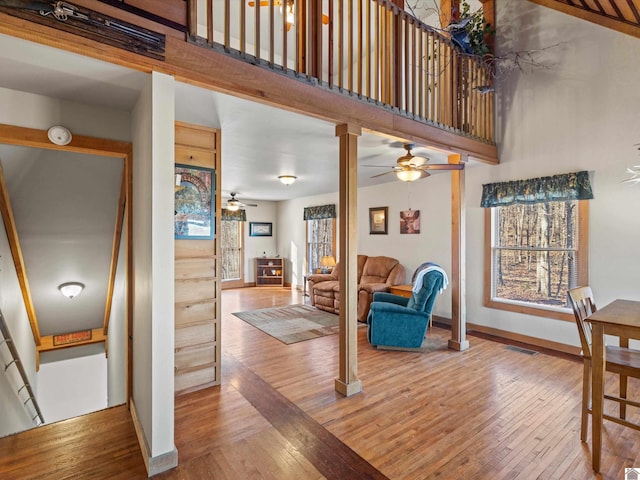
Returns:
(293, 323)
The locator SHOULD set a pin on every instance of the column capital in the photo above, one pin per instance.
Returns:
(348, 129)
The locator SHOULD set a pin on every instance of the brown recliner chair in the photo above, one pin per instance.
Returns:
(375, 274)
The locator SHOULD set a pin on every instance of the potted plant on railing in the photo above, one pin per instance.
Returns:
(470, 31)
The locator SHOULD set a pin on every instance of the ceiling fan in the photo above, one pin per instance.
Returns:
(410, 168)
(234, 204)
(290, 5)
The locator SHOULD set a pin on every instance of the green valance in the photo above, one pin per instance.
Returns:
(237, 215)
(322, 211)
(569, 186)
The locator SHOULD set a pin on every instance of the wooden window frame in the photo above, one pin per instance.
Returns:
(582, 262)
(306, 243)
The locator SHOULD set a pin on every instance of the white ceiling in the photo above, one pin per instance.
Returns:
(259, 143)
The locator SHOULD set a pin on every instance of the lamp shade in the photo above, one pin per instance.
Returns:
(327, 261)
(71, 289)
(409, 175)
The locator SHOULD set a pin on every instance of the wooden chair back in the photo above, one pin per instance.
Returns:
(583, 305)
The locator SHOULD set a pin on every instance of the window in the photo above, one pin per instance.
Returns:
(231, 246)
(321, 241)
(535, 253)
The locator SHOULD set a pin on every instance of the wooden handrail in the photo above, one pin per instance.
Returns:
(15, 361)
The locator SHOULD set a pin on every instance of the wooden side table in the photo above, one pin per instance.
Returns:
(402, 290)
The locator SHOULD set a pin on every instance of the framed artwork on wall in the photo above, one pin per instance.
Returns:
(410, 221)
(260, 229)
(194, 208)
(378, 220)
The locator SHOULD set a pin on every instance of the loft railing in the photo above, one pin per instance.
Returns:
(19, 380)
(368, 48)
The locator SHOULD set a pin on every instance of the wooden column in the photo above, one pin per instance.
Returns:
(458, 270)
(347, 382)
(449, 12)
(489, 14)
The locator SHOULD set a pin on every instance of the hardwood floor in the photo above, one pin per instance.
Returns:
(487, 413)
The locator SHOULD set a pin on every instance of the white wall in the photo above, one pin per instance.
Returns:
(117, 340)
(153, 247)
(15, 417)
(580, 113)
(72, 387)
(41, 112)
(255, 246)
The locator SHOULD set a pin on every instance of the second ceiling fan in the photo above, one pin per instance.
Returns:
(409, 167)
(234, 204)
(290, 8)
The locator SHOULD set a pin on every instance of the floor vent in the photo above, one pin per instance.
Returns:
(521, 350)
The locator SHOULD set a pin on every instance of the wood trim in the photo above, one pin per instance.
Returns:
(46, 345)
(602, 20)
(115, 250)
(583, 268)
(202, 67)
(16, 253)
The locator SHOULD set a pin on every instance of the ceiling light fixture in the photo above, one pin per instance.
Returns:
(233, 206)
(408, 174)
(59, 135)
(287, 179)
(71, 289)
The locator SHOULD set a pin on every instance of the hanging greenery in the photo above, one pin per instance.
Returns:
(470, 31)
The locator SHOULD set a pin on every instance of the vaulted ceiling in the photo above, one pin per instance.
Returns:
(620, 15)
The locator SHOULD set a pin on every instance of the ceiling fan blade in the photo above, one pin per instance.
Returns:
(381, 174)
(263, 3)
(325, 19)
(443, 166)
(250, 204)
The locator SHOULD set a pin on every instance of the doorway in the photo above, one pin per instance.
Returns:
(232, 250)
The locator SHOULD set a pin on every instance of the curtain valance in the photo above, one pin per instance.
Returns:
(568, 186)
(237, 215)
(321, 211)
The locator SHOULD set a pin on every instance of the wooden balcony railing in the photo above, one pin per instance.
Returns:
(367, 48)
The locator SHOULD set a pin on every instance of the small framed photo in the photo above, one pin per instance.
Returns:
(410, 221)
(378, 220)
(260, 229)
(194, 197)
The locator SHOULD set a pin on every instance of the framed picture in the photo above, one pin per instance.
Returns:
(378, 220)
(260, 229)
(193, 210)
(410, 221)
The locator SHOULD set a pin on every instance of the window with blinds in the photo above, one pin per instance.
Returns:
(535, 253)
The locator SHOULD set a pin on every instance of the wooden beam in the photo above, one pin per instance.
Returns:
(47, 344)
(209, 69)
(593, 17)
(458, 270)
(16, 253)
(347, 382)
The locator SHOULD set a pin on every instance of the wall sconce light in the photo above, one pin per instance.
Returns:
(287, 179)
(71, 289)
(327, 262)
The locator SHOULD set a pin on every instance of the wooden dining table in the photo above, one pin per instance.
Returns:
(620, 318)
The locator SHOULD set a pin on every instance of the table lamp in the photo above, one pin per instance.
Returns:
(327, 262)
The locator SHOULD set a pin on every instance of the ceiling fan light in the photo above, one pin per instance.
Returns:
(287, 179)
(71, 289)
(233, 207)
(409, 175)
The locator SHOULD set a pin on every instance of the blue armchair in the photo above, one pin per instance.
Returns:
(401, 322)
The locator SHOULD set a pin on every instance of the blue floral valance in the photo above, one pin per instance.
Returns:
(237, 215)
(569, 186)
(322, 211)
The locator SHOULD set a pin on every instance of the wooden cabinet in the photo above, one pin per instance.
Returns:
(269, 272)
(197, 286)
